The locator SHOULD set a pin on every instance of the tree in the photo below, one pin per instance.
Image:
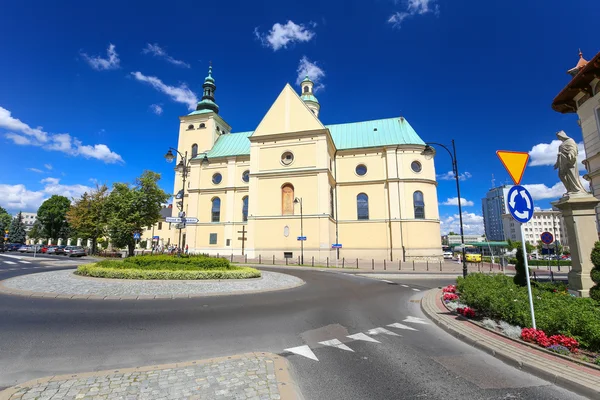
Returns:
(88, 217)
(132, 208)
(36, 232)
(52, 214)
(16, 232)
(595, 273)
(5, 220)
(520, 278)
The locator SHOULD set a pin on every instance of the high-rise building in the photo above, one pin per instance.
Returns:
(493, 205)
(542, 221)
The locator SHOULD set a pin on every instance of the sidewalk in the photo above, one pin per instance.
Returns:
(572, 376)
(252, 376)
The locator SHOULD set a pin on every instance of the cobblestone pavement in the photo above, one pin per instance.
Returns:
(255, 376)
(66, 284)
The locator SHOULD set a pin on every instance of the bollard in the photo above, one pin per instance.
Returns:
(357, 263)
(327, 262)
(399, 265)
(298, 260)
(440, 266)
(273, 259)
(313, 261)
(551, 276)
(259, 259)
(286, 261)
(384, 268)
(217, 255)
(534, 276)
(343, 262)
(490, 267)
(413, 265)
(246, 259)
(478, 268)
(427, 265)
(231, 257)
(372, 264)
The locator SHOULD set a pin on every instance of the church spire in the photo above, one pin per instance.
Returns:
(580, 64)
(309, 98)
(208, 96)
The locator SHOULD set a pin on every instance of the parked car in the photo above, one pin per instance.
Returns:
(14, 246)
(2, 247)
(448, 255)
(77, 251)
(50, 250)
(60, 250)
(23, 248)
(33, 249)
(44, 248)
(67, 250)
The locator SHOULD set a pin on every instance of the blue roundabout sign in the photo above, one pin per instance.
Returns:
(520, 204)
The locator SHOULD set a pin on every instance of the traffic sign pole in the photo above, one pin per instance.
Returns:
(527, 275)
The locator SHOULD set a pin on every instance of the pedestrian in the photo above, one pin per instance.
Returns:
(186, 249)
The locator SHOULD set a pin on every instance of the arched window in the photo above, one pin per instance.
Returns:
(287, 199)
(362, 206)
(305, 89)
(245, 208)
(216, 210)
(190, 127)
(202, 125)
(194, 150)
(419, 205)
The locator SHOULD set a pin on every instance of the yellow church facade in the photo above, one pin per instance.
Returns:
(364, 185)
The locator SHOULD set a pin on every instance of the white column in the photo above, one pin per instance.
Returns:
(78, 241)
(60, 241)
(69, 242)
(49, 242)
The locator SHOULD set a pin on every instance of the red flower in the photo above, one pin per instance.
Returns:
(566, 341)
(450, 297)
(539, 336)
(449, 289)
(466, 311)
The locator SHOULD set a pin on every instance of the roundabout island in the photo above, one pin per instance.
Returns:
(149, 277)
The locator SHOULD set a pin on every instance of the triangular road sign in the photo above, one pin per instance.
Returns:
(514, 162)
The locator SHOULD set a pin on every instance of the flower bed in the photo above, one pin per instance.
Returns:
(167, 267)
(480, 305)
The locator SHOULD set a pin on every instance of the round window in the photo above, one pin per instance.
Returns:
(217, 178)
(287, 158)
(246, 176)
(416, 166)
(361, 169)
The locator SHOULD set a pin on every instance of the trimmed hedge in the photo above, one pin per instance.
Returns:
(497, 297)
(97, 271)
(166, 262)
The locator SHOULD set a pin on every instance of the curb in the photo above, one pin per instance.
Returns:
(288, 388)
(571, 377)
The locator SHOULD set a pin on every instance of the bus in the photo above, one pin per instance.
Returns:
(472, 253)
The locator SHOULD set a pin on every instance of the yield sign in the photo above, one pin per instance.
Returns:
(514, 162)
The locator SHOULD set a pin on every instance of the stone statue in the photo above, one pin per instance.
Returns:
(566, 163)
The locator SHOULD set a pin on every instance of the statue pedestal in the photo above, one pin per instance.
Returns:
(579, 214)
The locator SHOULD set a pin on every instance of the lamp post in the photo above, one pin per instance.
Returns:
(183, 168)
(299, 201)
(429, 152)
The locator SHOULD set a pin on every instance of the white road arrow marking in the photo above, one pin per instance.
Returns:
(337, 344)
(9, 262)
(363, 337)
(384, 331)
(415, 320)
(524, 195)
(303, 351)
(401, 326)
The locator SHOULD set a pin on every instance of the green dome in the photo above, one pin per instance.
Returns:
(309, 97)
(307, 79)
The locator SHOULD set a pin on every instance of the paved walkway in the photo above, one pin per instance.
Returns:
(65, 284)
(252, 376)
(570, 375)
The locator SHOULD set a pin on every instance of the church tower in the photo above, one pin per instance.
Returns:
(208, 97)
(308, 96)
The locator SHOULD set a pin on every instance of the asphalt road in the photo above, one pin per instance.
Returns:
(41, 337)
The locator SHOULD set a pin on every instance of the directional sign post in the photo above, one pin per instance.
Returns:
(337, 257)
(302, 238)
(520, 206)
(187, 220)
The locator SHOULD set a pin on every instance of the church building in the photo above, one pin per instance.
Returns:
(364, 185)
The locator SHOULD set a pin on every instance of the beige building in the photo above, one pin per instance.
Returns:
(582, 96)
(364, 185)
(542, 221)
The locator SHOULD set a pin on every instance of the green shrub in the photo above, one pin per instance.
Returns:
(595, 273)
(498, 297)
(520, 277)
(166, 262)
(96, 271)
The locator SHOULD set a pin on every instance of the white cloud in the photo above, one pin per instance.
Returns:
(18, 198)
(158, 51)
(543, 154)
(540, 191)
(58, 142)
(453, 201)
(179, 94)
(448, 176)
(472, 223)
(48, 166)
(98, 63)
(314, 72)
(39, 171)
(413, 7)
(156, 109)
(281, 35)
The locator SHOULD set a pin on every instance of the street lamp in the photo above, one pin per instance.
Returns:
(183, 168)
(429, 152)
(299, 201)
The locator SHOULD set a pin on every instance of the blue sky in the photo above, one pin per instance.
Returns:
(93, 93)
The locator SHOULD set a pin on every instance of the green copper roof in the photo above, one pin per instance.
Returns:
(307, 79)
(354, 135)
(379, 132)
(209, 78)
(200, 112)
(309, 97)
